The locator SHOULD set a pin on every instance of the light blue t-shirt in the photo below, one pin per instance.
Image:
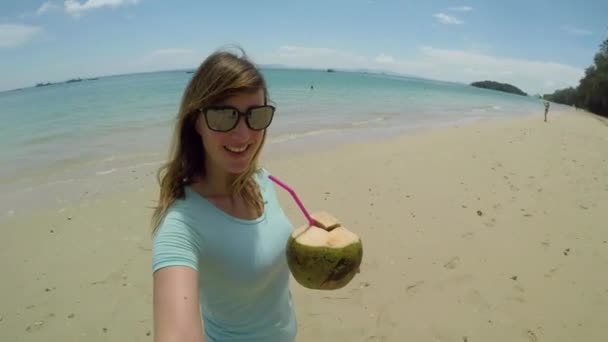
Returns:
(243, 272)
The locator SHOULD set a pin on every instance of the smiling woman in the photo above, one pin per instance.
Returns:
(220, 272)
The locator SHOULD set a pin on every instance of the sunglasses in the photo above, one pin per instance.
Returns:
(225, 118)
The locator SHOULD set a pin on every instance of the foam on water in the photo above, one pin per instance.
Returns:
(106, 172)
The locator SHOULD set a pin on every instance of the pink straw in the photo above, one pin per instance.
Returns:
(295, 197)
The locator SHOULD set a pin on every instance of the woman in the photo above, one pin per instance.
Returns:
(219, 268)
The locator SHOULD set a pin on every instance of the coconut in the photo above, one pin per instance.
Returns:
(324, 256)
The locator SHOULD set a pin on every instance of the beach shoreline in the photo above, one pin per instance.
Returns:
(65, 183)
(101, 128)
(481, 231)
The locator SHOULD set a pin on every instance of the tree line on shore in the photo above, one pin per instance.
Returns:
(592, 90)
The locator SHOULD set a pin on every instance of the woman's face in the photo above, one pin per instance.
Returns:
(233, 151)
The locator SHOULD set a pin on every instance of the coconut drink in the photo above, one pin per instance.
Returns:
(323, 254)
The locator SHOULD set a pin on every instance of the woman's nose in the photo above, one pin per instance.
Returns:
(241, 132)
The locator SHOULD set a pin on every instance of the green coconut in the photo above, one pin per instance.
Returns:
(325, 256)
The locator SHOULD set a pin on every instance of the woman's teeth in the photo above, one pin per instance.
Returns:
(236, 149)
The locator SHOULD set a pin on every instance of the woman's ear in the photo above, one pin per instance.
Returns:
(198, 125)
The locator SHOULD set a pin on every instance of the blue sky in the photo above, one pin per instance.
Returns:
(537, 45)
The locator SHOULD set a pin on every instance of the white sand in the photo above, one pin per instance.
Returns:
(531, 266)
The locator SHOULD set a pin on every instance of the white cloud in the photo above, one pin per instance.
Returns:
(169, 58)
(467, 66)
(76, 8)
(14, 35)
(447, 19)
(315, 57)
(288, 51)
(532, 76)
(384, 59)
(576, 30)
(171, 52)
(461, 9)
(47, 7)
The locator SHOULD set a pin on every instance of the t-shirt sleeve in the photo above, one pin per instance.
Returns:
(175, 243)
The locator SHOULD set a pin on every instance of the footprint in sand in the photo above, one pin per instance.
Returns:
(474, 297)
(452, 264)
(35, 326)
(414, 286)
(531, 335)
(550, 273)
(467, 235)
(518, 299)
(145, 249)
(490, 223)
(455, 280)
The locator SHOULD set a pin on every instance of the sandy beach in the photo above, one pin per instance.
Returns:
(492, 231)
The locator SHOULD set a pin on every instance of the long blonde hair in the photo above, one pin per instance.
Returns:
(220, 76)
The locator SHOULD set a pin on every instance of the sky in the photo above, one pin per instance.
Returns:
(536, 45)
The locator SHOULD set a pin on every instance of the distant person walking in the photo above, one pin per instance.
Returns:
(546, 109)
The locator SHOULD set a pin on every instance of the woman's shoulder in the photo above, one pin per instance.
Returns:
(179, 213)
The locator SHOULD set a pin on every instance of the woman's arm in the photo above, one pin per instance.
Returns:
(177, 317)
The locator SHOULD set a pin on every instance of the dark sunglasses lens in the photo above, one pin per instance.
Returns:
(261, 117)
(221, 119)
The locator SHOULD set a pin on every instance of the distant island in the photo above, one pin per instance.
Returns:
(73, 80)
(504, 87)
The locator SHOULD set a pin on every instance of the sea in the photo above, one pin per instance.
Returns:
(74, 135)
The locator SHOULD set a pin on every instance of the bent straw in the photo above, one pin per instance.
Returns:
(295, 197)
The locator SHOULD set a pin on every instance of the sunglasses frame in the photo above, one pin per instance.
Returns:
(246, 114)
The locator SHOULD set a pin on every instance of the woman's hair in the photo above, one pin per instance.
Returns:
(220, 76)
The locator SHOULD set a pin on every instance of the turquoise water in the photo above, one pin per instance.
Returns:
(54, 129)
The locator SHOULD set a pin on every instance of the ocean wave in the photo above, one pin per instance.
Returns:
(292, 136)
(486, 108)
(106, 172)
(367, 122)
